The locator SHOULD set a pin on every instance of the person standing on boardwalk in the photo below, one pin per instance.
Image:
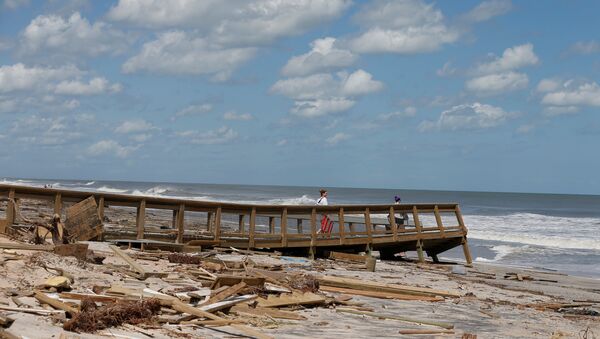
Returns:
(326, 223)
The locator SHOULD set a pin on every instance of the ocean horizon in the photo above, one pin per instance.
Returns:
(537, 230)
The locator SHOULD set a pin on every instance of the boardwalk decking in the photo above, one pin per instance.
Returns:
(433, 228)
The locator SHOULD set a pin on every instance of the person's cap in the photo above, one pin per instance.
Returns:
(322, 190)
(397, 198)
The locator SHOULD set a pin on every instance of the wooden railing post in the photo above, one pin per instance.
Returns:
(464, 242)
(299, 226)
(252, 228)
(438, 220)
(57, 204)
(342, 228)
(141, 219)
(283, 226)
(272, 225)
(313, 232)
(368, 225)
(101, 208)
(419, 234)
(241, 224)
(10, 208)
(179, 220)
(393, 223)
(218, 224)
(174, 219)
(209, 221)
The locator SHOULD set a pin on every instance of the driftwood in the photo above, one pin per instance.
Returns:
(396, 317)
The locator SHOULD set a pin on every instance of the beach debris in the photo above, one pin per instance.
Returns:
(396, 317)
(83, 222)
(179, 258)
(141, 272)
(423, 331)
(296, 298)
(45, 299)
(356, 284)
(59, 283)
(93, 318)
(79, 251)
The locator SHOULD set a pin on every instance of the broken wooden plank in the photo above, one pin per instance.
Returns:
(382, 295)
(39, 311)
(28, 247)
(227, 292)
(382, 287)
(296, 298)
(420, 331)
(134, 265)
(347, 256)
(45, 299)
(78, 251)
(230, 280)
(227, 303)
(396, 317)
(82, 222)
(262, 311)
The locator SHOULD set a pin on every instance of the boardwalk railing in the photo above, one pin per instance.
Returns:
(433, 228)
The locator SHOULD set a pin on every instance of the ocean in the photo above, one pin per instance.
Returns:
(545, 231)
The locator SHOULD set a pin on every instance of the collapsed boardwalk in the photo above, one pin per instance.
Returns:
(435, 228)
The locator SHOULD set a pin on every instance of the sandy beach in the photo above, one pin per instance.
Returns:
(494, 301)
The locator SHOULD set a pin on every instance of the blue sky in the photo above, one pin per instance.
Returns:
(472, 95)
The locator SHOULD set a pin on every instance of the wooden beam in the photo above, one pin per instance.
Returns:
(209, 221)
(57, 204)
(218, 224)
(438, 220)
(44, 299)
(134, 265)
(10, 208)
(466, 251)
(101, 208)
(252, 228)
(271, 225)
(341, 226)
(141, 219)
(313, 231)
(368, 225)
(241, 223)
(397, 317)
(283, 227)
(299, 226)
(180, 218)
(393, 223)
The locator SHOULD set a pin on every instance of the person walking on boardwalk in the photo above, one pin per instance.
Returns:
(326, 223)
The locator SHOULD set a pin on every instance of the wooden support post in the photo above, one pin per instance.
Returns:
(420, 251)
(272, 225)
(209, 221)
(341, 226)
(299, 226)
(218, 224)
(57, 204)
(466, 251)
(10, 208)
(252, 228)
(438, 220)
(351, 227)
(313, 232)
(174, 220)
(283, 226)
(101, 208)
(241, 224)
(368, 225)
(141, 219)
(393, 223)
(179, 222)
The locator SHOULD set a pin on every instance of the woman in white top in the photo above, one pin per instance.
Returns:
(326, 223)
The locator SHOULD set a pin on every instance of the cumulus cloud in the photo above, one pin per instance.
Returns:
(498, 83)
(231, 22)
(548, 85)
(572, 93)
(52, 35)
(446, 70)
(468, 117)
(110, 147)
(584, 47)
(219, 136)
(193, 110)
(405, 27)
(487, 10)
(14, 4)
(178, 52)
(95, 86)
(337, 138)
(134, 126)
(512, 58)
(50, 131)
(323, 93)
(408, 112)
(322, 57)
(232, 115)
(19, 77)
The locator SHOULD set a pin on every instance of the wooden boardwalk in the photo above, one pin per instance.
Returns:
(432, 229)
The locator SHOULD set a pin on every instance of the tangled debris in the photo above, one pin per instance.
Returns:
(305, 283)
(179, 258)
(93, 318)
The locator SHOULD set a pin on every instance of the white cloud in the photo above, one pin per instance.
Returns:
(110, 147)
(524, 129)
(13, 4)
(548, 85)
(560, 110)
(178, 52)
(212, 137)
(468, 116)
(134, 126)
(487, 10)
(232, 115)
(19, 77)
(497, 83)
(446, 70)
(193, 110)
(50, 131)
(8, 104)
(322, 57)
(572, 94)
(585, 47)
(319, 94)
(231, 22)
(406, 27)
(407, 113)
(141, 137)
(513, 58)
(319, 107)
(95, 86)
(49, 35)
(337, 138)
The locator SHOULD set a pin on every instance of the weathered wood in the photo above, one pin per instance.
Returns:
(180, 224)
(101, 208)
(31, 310)
(381, 295)
(227, 292)
(141, 219)
(230, 280)
(82, 221)
(283, 227)
(347, 256)
(342, 227)
(420, 331)
(252, 227)
(227, 303)
(241, 223)
(271, 225)
(393, 223)
(57, 204)
(78, 251)
(10, 208)
(44, 299)
(134, 265)
(466, 251)
(287, 299)
(420, 251)
(396, 317)
(438, 220)
(368, 225)
(209, 221)
(218, 224)
(263, 311)
(28, 247)
(382, 287)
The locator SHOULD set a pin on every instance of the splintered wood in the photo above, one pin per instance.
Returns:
(83, 222)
